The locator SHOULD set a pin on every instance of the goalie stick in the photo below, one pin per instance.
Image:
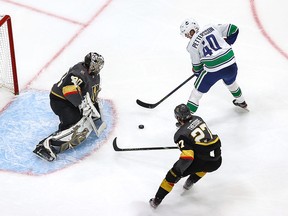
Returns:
(116, 148)
(151, 106)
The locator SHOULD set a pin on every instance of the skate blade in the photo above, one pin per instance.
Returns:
(242, 109)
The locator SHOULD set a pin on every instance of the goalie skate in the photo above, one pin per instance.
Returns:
(44, 153)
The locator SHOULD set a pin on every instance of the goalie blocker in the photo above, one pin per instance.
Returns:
(61, 141)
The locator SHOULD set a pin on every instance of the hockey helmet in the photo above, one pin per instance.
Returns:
(188, 25)
(94, 62)
(182, 113)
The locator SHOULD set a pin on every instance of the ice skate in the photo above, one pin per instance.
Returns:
(242, 105)
(44, 153)
(188, 184)
(155, 202)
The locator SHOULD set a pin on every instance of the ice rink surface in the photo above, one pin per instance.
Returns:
(146, 58)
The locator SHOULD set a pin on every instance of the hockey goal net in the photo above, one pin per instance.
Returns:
(8, 73)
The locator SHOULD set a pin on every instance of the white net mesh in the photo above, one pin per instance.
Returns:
(6, 73)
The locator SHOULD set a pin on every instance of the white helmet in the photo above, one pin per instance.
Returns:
(187, 25)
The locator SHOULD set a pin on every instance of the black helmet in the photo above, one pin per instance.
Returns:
(182, 113)
(94, 62)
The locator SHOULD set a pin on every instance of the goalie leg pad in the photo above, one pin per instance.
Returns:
(72, 136)
(75, 135)
(58, 142)
(69, 138)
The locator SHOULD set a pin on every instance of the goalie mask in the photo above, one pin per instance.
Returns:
(94, 62)
(182, 113)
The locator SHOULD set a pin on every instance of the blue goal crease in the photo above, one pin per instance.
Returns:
(27, 121)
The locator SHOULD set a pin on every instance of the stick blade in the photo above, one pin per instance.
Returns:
(146, 105)
(115, 145)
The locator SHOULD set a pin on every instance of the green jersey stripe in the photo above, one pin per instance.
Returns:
(219, 60)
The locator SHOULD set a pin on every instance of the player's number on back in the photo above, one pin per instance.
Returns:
(201, 132)
(212, 45)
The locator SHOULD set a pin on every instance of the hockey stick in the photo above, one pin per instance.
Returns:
(98, 131)
(151, 106)
(116, 148)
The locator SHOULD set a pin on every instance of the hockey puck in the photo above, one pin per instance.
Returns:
(141, 126)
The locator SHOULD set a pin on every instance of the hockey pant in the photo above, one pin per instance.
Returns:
(195, 96)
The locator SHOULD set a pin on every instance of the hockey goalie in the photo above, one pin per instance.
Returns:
(74, 99)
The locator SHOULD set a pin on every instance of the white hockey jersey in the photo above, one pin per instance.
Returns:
(208, 49)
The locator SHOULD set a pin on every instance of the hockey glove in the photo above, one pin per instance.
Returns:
(197, 73)
(86, 111)
(232, 38)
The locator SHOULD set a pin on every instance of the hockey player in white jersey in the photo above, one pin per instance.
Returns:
(212, 59)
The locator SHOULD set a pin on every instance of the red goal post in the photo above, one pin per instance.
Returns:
(8, 72)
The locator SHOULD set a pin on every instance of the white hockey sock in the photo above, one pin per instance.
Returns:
(194, 99)
(235, 90)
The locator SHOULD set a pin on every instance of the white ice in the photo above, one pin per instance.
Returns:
(146, 58)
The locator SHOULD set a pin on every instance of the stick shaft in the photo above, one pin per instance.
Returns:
(151, 106)
(116, 148)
